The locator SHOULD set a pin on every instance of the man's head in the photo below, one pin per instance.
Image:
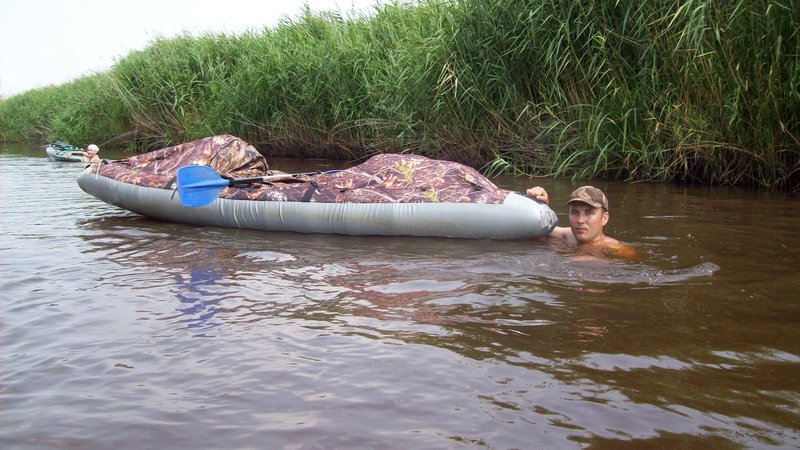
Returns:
(588, 214)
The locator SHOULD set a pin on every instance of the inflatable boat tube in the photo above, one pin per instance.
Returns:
(58, 152)
(397, 195)
(517, 217)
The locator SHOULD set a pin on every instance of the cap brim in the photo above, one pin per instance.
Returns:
(577, 200)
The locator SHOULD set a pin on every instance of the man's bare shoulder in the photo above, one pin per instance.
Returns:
(612, 248)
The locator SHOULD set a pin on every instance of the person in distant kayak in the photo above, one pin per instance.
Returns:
(89, 156)
(588, 216)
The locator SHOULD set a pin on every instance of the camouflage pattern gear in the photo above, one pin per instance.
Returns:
(228, 155)
(589, 195)
(387, 178)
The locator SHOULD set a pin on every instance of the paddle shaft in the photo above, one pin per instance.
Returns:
(235, 181)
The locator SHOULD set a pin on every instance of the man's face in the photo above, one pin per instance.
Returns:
(587, 222)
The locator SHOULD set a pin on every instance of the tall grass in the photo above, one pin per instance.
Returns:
(82, 111)
(681, 90)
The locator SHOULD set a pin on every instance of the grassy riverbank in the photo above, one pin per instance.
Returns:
(672, 90)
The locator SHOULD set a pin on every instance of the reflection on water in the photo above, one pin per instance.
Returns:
(198, 293)
(121, 331)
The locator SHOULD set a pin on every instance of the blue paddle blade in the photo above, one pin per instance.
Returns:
(199, 185)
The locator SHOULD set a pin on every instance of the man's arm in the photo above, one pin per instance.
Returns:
(565, 233)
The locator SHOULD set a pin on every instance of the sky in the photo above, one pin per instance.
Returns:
(50, 42)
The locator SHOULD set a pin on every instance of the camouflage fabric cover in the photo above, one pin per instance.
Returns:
(228, 155)
(386, 178)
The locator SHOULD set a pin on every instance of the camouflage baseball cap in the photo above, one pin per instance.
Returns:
(589, 195)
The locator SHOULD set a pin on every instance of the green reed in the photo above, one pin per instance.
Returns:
(682, 90)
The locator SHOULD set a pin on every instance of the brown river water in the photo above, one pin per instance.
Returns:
(118, 331)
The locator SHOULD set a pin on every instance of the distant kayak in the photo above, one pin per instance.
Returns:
(57, 151)
(389, 194)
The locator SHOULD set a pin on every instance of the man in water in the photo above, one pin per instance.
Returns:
(588, 215)
(89, 156)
